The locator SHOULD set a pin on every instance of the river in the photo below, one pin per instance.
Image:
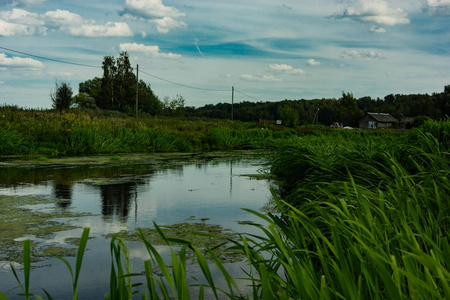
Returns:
(120, 195)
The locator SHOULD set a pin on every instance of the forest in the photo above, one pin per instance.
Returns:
(346, 109)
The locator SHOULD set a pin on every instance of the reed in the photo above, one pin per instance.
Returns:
(367, 217)
(87, 132)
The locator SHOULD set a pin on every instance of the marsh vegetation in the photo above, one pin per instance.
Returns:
(360, 214)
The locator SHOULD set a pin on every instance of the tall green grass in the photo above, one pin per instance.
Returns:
(363, 225)
(85, 132)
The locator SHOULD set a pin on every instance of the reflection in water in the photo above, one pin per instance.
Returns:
(117, 198)
(231, 177)
(166, 192)
(62, 190)
(117, 185)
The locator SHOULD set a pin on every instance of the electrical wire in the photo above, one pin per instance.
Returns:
(50, 59)
(184, 85)
(140, 71)
(248, 96)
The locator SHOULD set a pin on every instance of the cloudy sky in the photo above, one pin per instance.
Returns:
(268, 50)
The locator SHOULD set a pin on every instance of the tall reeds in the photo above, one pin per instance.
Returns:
(373, 222)
(85, 132)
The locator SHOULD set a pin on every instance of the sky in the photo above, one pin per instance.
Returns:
(267, 50)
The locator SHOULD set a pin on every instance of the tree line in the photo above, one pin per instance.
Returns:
(116, 90)
(346, 109)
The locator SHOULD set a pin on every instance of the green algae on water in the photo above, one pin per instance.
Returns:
(200, 234)
(24, 217)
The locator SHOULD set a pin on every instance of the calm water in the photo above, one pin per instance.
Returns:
(129, 196)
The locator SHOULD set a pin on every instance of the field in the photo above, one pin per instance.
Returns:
(360, 214)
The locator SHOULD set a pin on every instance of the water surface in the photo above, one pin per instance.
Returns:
(125, 196)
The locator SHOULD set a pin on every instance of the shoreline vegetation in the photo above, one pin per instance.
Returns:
(85, 132)
(361, 214)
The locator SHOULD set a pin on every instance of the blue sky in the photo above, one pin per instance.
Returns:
(268, 50)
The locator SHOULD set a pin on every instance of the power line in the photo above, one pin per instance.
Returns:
(248, 96)
(92, 66)
(184, 85)
(50, 59)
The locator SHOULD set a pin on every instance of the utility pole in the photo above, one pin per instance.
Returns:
(232, 100)
(317, 118)
(137, 89)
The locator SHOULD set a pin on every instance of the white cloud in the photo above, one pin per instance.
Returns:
(154, 11)
(149, 9)
(152, 51)
(21, 22)
(377, 29)
(375, 11)
(283, 68)
(264, 78)
(363, 54)
(60, 17)
(312, 62)
(22, 17)
(440, 8)
(19, 62)
(10, 29)
(165, 24)
(107, 30)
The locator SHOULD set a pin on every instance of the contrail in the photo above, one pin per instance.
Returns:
(196, 45)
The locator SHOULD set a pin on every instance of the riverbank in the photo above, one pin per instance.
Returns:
(82, 132)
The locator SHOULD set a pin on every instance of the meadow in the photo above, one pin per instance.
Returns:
(89, 132)
(360, 215)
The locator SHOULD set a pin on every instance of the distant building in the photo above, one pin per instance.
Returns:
(407, 122)
(377, 120)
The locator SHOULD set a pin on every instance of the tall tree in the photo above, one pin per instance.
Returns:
(61, 96)
(349, 114)
(124, 83)
(289, 116)
(91, 87)
(109, 72)
(148, 102)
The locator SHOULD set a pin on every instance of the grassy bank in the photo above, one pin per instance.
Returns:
(366, 216)
(80, 132)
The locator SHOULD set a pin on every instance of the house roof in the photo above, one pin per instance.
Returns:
(407, 120)
(383, 117)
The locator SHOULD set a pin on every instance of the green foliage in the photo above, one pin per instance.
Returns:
(83, 100)
(148, 101)
(61, 96)
(289, 116)
(116, 90)
(75, 274)
(12, 142)
(83, 132)
(174, 106)
(349, 112)
(420, 120)
(435, 106)
(373, 224)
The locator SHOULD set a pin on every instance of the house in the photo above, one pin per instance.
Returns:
(407, 122)
(377, 120)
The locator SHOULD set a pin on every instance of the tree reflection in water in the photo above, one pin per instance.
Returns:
(62, 191)
(117, 199)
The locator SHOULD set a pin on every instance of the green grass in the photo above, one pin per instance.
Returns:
(81, 132)
(366, 217)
